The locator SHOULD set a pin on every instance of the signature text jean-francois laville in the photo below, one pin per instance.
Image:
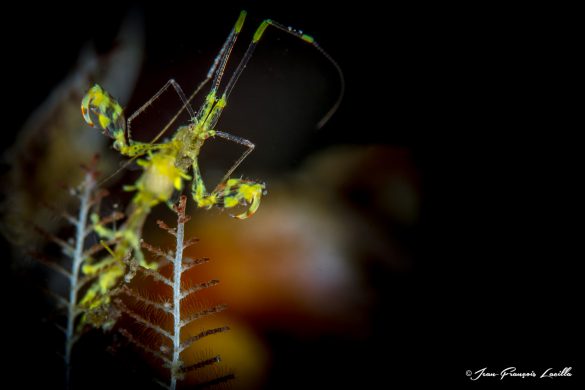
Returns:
(512, 372)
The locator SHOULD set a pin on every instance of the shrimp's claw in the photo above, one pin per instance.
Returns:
(240, 192)
(254, 204)
(107, 110)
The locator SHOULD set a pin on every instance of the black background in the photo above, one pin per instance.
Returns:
(482, 95)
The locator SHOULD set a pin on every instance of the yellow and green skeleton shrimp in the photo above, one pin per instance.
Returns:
(166, 165)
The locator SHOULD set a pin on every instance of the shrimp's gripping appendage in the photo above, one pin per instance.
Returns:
(235, 192)
(108, 112)
(111, 119)
(242, 192)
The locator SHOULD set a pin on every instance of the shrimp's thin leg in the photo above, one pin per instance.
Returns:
(242, 141)
(143, 108)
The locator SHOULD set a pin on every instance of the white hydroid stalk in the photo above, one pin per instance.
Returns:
(177, 271)
(171, 354)
(77, 260)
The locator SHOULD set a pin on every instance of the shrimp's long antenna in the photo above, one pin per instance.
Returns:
(299, 34)
(217, 68)
(227, 50)
(337, 103)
